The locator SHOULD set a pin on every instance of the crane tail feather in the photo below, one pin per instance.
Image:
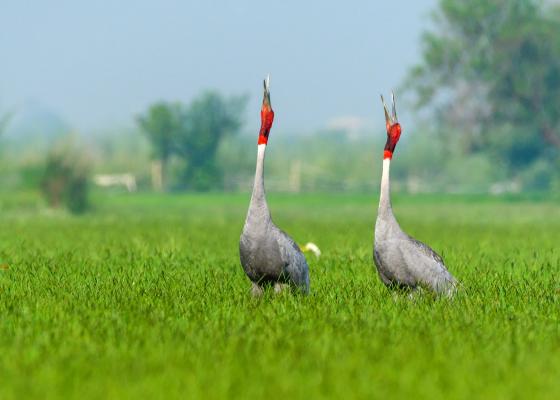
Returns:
(311, 247)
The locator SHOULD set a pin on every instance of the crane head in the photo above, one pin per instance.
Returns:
(267, 115)
(393, 128)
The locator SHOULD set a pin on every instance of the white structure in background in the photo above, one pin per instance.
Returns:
(126, 180)
(498, 188)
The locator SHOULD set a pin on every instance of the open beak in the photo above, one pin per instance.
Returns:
(266, 96)
(390, 119)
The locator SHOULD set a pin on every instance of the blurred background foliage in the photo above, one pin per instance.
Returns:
(191, 134)
(485, 95)
(65, 178)
(489, 83)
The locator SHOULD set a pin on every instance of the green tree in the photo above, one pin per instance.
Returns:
(161, 123)
(208, 119)
(65, 179)
(193, 134)
(490, 78)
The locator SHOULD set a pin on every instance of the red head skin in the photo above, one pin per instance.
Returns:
(267, 116)
(393, 136)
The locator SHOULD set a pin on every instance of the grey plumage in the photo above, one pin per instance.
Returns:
(268, 255)
(406, 262)
(400, 259)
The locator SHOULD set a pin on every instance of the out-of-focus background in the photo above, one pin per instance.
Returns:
(138, 96)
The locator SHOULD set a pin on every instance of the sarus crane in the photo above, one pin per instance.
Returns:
(401, 260)
(268, 255)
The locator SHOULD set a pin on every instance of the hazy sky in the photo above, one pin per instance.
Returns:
(98, 63)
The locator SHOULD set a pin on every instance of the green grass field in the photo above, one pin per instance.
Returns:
(145, 298)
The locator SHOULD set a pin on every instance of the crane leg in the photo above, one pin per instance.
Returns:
(256, 290)
(415, 293)
(280, 287)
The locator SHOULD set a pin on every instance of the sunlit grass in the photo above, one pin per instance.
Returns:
(145, 297)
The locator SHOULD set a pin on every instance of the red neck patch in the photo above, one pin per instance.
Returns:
(393, 136)
(267, 117)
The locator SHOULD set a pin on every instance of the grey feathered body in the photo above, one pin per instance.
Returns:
(402, 260)
(267, 254)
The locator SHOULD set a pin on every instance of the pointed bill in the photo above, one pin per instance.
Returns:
(266, 97)
(394, 108)
(266, 84)
(387, 117)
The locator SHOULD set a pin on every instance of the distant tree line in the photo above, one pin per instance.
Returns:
(487, 89)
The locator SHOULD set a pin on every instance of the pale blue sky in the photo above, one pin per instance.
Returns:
(99, 63)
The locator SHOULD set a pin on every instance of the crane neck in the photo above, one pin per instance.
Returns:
(385, 192)
(258, 197)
